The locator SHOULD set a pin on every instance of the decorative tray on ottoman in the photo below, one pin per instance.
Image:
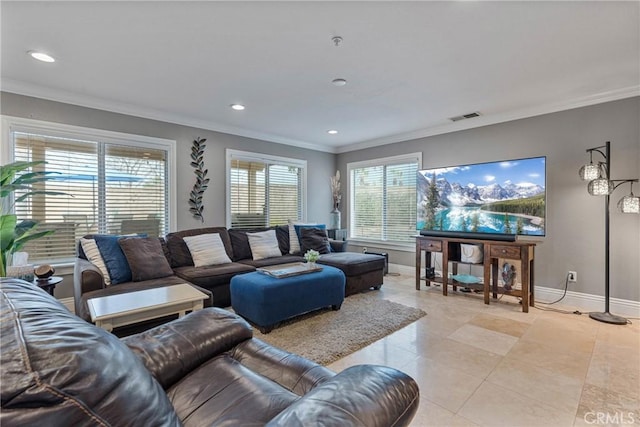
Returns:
(288, 270)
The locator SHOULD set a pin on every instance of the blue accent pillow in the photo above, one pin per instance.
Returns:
(114, 258)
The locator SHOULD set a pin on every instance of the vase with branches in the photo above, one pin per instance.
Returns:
(335, 190)
(336, 195)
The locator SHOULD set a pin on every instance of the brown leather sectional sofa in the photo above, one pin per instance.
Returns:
(204, 369)
(362, 271)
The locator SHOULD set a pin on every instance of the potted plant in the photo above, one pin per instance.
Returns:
(311, 257)
(14, 234)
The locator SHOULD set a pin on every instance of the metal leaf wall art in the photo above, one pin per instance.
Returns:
(197, 161)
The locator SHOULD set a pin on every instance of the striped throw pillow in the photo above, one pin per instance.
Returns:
(264, 245)
(207, 249)
(92, 252)
(294, 244)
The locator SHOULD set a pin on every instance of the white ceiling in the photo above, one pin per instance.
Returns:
(409, 65)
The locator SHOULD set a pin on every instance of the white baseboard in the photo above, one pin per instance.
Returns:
(69, 303)
(581, 301)
(588, 302)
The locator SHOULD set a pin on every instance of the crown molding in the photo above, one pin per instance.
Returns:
(43, 92)
(599, 98)
(36, 91)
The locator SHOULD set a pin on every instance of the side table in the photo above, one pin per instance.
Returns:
(337, 233)
(48, 284)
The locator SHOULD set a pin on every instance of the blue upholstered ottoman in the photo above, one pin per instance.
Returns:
(266, 300)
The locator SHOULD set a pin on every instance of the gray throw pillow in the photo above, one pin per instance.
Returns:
(145, 257)
(314, 238)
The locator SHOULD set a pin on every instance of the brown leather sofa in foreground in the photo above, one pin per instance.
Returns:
(204, 369)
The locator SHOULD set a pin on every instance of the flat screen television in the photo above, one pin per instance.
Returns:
(483, 200)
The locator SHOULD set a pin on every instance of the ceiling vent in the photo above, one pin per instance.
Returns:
(465, 116)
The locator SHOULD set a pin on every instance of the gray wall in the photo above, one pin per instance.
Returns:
(575, 220)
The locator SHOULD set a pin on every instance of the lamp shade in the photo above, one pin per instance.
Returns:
(600, 187)
(629, 204)
(589, 172)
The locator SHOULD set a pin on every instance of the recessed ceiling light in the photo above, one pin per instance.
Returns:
(237, 107)
(332, 132)
(41, 56)
(339, 82)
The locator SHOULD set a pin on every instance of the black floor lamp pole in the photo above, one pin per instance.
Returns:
(607, 317)
(606, 253)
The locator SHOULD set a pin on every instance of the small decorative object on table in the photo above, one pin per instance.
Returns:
(508, 275)
(311, 257)
(471, 254)
(465, 278)
(430, 272)
(44, 271)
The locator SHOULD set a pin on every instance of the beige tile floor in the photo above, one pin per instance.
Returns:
(492, 365)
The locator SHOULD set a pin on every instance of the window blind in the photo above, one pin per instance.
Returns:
(264, 193)
(383, 199)
(109, 188)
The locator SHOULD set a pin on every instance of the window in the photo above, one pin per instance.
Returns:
(264, 191)
(383, 198)
(113, 183)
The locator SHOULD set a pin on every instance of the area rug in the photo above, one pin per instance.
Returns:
(325, 336)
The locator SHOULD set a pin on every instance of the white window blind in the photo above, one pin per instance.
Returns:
(264, 192)
(383, 199)
(110, 188)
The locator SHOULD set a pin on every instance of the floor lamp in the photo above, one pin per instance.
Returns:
(601, 184)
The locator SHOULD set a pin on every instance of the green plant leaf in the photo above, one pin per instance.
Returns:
(48, 193)
(24, 227)
(7, 231)
(19, 243)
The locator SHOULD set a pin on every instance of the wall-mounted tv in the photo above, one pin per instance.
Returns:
(484, 199)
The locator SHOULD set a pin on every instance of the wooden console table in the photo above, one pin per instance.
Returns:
(493, 251)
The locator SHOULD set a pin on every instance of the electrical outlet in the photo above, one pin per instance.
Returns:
(364, 250)
(572, 276)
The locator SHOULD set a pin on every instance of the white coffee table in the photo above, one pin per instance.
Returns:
(124, 309)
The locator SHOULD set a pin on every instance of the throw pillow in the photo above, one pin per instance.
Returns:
(294, 234)
(294, 243)
(264, 245)
(240, 242)
(180, 254)
(316, 239)
(207, 249)
(145, 257)
(114, 258)
(92, 253)
(282, 234)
